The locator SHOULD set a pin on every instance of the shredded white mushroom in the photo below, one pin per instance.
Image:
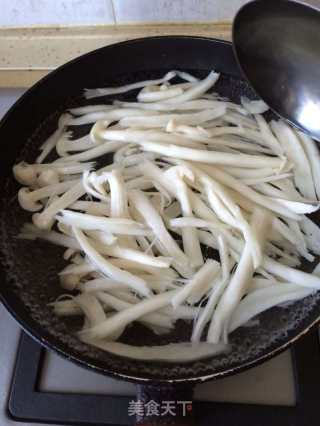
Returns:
(187, 164)
(182, 352)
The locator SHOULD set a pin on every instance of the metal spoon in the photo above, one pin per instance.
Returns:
(277, 45)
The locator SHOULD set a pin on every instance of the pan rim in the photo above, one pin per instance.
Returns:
(49, 345)
(49, 342)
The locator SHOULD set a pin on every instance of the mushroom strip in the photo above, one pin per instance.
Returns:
(212, 157)
(50, 143)
(112, 225)
(237, 286)
(44, 220)
(123, 318)
(94, 93)
(107, 268)
(173, 352)
(155, 222)
(29, 200)
(163, 120)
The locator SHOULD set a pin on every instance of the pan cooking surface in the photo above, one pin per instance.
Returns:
(31, 280)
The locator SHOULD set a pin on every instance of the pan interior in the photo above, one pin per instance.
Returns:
(31, 281)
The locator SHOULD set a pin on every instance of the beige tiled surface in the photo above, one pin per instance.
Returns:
(21, 13)
(133, 11)
(28, 54)
(136, 11)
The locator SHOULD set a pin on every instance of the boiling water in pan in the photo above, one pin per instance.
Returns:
(32, 275)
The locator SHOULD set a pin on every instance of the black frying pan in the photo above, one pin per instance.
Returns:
(28, 271)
